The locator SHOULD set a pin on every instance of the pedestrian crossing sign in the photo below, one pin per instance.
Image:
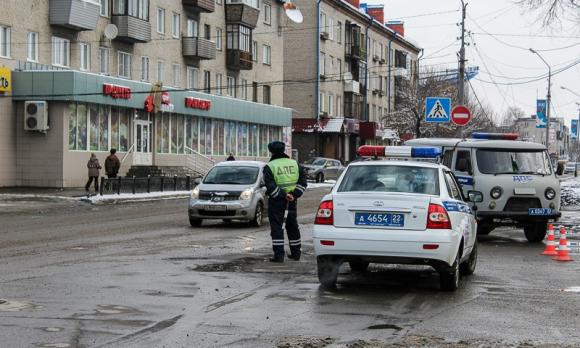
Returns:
(437, 109)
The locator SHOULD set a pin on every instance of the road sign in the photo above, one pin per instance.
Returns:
(437, 109)
(460, 115)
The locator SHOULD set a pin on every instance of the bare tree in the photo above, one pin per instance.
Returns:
(553, 11)
(511, 115)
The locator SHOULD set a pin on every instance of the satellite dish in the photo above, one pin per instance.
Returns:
(293, 12)
(111, 31)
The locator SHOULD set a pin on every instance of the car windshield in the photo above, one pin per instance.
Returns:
(232, 175)
(513, 162)
(391, 178)
(316, 161)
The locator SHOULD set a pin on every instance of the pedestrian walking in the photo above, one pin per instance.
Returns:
(231, 157)
(112, 164)
(285, 183)
(94, 168)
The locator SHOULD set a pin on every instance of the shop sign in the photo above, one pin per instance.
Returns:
(116, 91)
(196, 103)
(166, 105)
(5, 80)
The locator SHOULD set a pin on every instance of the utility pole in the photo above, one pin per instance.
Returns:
(549, 98)
(461, 77)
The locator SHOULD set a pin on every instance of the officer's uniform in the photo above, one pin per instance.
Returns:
(283, 175)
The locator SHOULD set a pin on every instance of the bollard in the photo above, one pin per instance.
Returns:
(148, 183)
(175, 182)
(134, 182)
(102, 184)
(162, 181)
(119, 186)
(188, 182)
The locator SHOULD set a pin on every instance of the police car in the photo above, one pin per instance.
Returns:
(398, 212)
(516, 179)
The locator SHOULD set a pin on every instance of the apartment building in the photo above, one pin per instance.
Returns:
(346, 63)
(158, 80)
(559, 134)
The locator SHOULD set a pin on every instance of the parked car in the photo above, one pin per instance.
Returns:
(570, 167)
(320, 169)
(231, 190)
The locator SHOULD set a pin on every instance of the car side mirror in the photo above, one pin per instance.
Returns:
(197, 181)
(475, 196)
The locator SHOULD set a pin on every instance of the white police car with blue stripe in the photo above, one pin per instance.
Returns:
(398, 212)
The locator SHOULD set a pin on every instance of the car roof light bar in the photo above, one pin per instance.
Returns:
(494, 136)
(399, 151)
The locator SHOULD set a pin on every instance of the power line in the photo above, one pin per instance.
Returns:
(528, 35)
(533, 80)
(424, 14)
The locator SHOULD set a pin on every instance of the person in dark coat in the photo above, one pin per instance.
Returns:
(231, 157)
(94, 169)
(112, 164)
(285, 182)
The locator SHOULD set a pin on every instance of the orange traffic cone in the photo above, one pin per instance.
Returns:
(550, 243)
(563, 247)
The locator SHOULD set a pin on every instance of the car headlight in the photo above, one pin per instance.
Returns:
(496, 192)
(550, 193)
(246, 195)
(195, 193)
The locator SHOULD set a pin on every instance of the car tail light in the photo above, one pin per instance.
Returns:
(325, 214)
(437, 217)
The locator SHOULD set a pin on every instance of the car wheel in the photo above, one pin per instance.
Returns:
(320, 177)
(449, 278)
(483, 230)
(468, 267)
(536, 233)
(195, 222)
(259, 216)
(358, 266)
(327, 271)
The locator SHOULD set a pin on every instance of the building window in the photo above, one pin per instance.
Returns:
(219, 2)
(176, 75)
(133, 8)
(144, 68)
(266, 94)
(192, 78)
(192, 28)
(231, 86)
(85, 56)
(253, 3)
(322, 64)
(32, 50)
(244, 89)
(104, 8)
(161, 21)
(268, 14)
(267, 55)
(255, 92)
(255, 51)
(60, 51)
(330, 25)
(339, 65)
(322, 99)
(98, 127)
(218, 83)
(104, 60)
(323, 22)
(338, 106)
(175, 25)
(160, 70)
(124, 64)
(218, 39)
(207, 31)
(207, 81)
(238, 37)
(339, 32)
(330, 105)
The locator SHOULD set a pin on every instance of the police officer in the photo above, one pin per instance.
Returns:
(285, 183)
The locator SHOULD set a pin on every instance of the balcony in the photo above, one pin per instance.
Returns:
(353, 105)
(238, 12)
(197, 47)
(199, 5)
(74, 14)
(132, 29)
(354, 52)
(238, 60)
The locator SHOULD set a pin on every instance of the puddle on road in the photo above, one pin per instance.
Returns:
(304, 342)
(52, 329)
(54, 345)
(572, 289)
(114, 309)
(385, 327)
(14, 306)
(243, 264)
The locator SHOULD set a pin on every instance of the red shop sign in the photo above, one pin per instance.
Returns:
(195, 103)
(116, 92)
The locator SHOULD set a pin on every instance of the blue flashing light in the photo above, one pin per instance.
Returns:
(494, 136)
(425, 152)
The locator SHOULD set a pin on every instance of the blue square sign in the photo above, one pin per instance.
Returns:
(437, 109)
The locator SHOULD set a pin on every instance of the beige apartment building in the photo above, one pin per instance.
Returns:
(559, 134)
(81, 75)
(347, 65)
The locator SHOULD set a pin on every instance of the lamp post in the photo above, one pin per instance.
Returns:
(577, 139)
(549, 97)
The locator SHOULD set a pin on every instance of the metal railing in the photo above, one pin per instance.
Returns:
(131, 149)
(197, 162)
(134, 185)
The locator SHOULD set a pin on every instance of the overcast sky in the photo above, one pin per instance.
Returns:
(501, 65)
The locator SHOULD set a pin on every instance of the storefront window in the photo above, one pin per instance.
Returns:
(218, 137)
(253, 135)
(202, 135)
(72, 126)
(208, 138)
(82, 127)
(245, 138)
(94, 127)
(158, 138)
(174, 134)
(165, 133)
(232, 137)
(264, 140)
(194, 134)
(114, 128)
(103, 128)
(180, 121)
(124, 130)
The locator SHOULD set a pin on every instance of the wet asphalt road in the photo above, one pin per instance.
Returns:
(136, 275)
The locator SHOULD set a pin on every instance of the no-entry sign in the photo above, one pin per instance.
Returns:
(460, 115)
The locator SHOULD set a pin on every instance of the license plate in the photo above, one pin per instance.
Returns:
(539, 211)
(379, 219)
(216, 207)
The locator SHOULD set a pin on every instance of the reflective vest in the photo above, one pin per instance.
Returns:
(286, 173)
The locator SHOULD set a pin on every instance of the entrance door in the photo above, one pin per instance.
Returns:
(142, 155)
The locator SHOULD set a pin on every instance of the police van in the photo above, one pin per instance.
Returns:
(516, 178)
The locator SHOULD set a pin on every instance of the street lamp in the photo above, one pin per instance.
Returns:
(549, 97)
(571, 91)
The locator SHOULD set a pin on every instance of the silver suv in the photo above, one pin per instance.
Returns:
(231, 190)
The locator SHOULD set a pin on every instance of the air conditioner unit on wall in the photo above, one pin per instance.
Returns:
(36, 116)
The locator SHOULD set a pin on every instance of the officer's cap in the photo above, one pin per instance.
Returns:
(276, 147)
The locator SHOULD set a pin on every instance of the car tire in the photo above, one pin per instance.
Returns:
(449, 278)
(536, 233)
(468, 266)
(327, 271)
(358, 266)
(258, 216)
(320, 177)
(194, 222)
(484, 230)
